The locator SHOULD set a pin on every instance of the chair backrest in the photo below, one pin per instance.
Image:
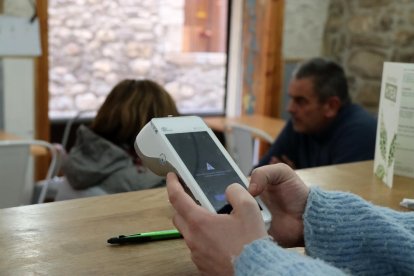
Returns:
(16, 180)
(242, 143)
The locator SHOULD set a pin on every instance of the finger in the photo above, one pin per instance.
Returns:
(274, 160)
(272, 175)
(180, 224)
(190, 236)
(179, 199)
(288, 161)
(255, 189)
(241, 201)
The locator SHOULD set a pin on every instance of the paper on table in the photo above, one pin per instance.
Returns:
(404, 161)
(407, 203)
(388, 116)
(394, 150)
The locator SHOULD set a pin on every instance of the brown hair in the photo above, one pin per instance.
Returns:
(129, 107)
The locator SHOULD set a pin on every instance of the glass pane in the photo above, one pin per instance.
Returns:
(94, 44)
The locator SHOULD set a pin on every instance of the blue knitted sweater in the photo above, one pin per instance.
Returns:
(344, 234)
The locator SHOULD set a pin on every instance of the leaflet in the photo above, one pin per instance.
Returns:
(394, 151)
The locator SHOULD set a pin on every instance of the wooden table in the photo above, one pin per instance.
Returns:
(358, 178)
(69, 237)
(272, 126)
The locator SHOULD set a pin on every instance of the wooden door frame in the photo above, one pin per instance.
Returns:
(42, 124)
(262, 52)
(263, 22)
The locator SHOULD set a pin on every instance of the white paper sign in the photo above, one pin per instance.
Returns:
(19, 36)
(394, 150)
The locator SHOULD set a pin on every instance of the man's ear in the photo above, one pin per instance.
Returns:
(332, 106)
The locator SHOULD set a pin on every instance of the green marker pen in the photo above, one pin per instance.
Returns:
(146, 237)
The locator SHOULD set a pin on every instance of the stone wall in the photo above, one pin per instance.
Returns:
(303, 29)
(304, 23)
(94, 44)
(362, 34)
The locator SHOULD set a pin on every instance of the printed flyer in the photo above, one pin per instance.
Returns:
(394, 151)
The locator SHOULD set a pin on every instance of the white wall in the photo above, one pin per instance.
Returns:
(234, 74)
(18, 96)
(1, 95)
(18, 82)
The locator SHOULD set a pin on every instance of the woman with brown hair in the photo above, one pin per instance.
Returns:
(103, 154)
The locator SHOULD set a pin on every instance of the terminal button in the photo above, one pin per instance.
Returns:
(163, 159)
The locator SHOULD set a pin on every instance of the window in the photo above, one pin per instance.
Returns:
(95, 44)
(205, 26)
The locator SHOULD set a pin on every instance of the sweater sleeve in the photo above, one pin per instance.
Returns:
(343, 234)
(265, 257)
(354, 235)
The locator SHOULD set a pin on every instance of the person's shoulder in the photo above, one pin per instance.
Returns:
(88, 143)
(360, 111)
(288, 132)
(354, 116)
(289, 126)
(84, 132)
(360, 116)
(356, 123)
(85, 136)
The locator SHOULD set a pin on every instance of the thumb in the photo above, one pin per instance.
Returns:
(242, 202)
(271, 175)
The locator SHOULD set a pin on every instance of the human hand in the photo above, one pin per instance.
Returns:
(214, 239)
(285, 195)
(283, 159)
